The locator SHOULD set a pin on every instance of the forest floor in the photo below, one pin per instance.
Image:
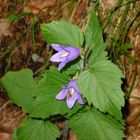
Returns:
(22, 46)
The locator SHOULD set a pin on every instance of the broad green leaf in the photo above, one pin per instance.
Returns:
(21, 88)
(101, 85)
(52, 81)
(93, 33)
(63, 33)
(38, 99)
(94, 40)
(14, 136)
(91, 124)
(46, 104)
(97, 54)
(74, 67)
(32, 129)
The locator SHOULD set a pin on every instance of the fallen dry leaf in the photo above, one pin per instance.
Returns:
(110, 3)
(40, 4)
(5, 27)
(35, 6)
(5, 136)
(72, 136)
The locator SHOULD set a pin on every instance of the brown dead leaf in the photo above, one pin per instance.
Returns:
(35, 6)
(5, 136)
(135, 135)
(10, 117)
(79, 12)
(109, 3)
(133, 118)
(40, 4)
(72, 136)
(5, 27)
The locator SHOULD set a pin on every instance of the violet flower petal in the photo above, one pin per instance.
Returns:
(79, 99)
(71, 100)
(65, 54)
(61, 65)
(62, 94)
(71, 93)
(57, 47)
(59, 57)
(73, 52)
(73, 83)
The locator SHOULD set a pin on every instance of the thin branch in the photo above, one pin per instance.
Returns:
(136, 97)
(4, 105)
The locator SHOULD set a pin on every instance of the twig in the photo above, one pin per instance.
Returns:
(42, 69)
(133, 83)
(136, 97)
(65, 131)
(5, 104)
(85, 62)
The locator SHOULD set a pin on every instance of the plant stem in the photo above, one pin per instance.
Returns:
(43, 68)
(136, 97)
(133, 83)
(85, 62)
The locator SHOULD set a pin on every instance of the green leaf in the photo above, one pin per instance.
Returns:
(90, 124)
(14, 18)
(126, 48)
(73, 67)
(21, 88)
(32, 129)
(63, 33)
(52, 81)
(94, 40)
(46, 104)
(93, 31)
(14, 136)
(101, 85)
(38, 99)
(97, 54)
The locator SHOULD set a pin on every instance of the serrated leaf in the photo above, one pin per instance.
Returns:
(94, 40)
(14, 136)
(97, 54)
(52, 81)
(46, 104)
(101, 85)
(32, 129)
(73, 67)
(90, 124)
(93, 31)
(21, 88)
(63, 33)
(38, 99)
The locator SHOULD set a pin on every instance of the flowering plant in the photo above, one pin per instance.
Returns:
(64, 55)
(72, 93)
(85, 89)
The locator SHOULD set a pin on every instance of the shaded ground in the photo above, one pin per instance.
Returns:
(22, 46)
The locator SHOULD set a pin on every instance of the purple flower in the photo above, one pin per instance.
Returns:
(64, 54)
(71, 93)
